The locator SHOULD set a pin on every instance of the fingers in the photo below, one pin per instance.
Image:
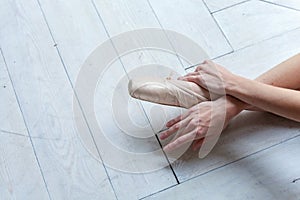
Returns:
(178, 142)
(207, 69)
(179, 125)
(207, 66)
(188, 74)
(174, 121)
(190, 77)
(177, 119)
(197, 133)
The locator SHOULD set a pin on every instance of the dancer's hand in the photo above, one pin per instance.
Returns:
(194, 124)
(211, 76)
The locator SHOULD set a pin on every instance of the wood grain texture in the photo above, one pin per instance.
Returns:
(138, 15)
(124, 15)
(11, 120)
(257, 59)
(45, 43)
(20, 175)
(192, 19)
(249, 132)
(85, 33)
(293, 4)
(216, 5)
(255, 21)
(45, 97)
(19, 171)
(270, 174)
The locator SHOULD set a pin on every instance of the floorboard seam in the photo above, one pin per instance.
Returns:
(13, 133)
(189, 67)
(244, 157)
(71, 84)
(233, 5)
(267, 39)
(249, 46)
(99, 16)
(34, 137)
(213, 17)
(161, 26)
(227, 164)
(159, 191)
(25, 123)
(279, 5)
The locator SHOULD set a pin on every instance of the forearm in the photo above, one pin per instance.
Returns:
(280, 101)
(284, 75)
(277, 76)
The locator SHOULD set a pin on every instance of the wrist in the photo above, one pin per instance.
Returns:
(233, 84)
(234, 106)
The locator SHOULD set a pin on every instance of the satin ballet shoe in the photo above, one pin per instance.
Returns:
(167, 91)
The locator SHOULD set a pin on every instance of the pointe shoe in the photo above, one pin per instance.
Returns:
(167, 92)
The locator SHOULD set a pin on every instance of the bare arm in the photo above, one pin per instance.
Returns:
(280, 101)
(285, 75)
(273, 91)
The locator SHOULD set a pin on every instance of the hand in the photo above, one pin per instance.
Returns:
(209, 116)
(211, 76)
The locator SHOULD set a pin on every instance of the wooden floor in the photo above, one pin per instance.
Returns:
(43, 45)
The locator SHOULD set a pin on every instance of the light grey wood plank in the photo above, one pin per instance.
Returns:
(137, 18)
(153, 63)
(124, 15)
(134, 141)
(216, 5)
(10, 116)
(270, 174)
(133, 17)
(19, 171)
(20, 175)
(294, 4)
(192, 19)
(94, 34)
(138, 15)
(249, 132)
(255, 21)
(45, 97)
(255, 60)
